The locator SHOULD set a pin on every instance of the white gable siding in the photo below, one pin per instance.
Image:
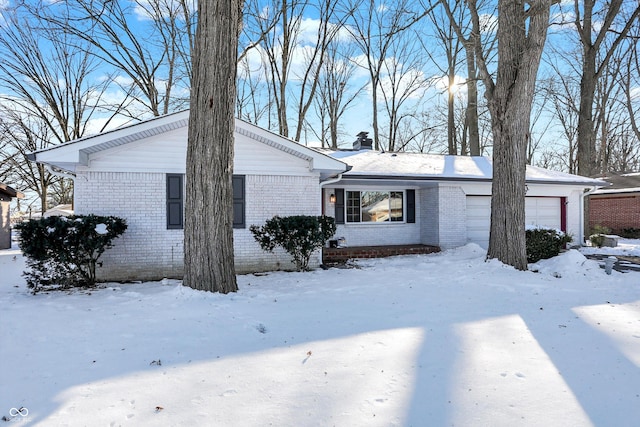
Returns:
(167, 153)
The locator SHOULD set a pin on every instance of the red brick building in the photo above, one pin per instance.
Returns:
(617, 207)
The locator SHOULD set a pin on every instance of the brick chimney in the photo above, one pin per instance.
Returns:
(362, 142)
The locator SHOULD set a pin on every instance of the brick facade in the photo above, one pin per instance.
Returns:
(615, 211)
(148, 251)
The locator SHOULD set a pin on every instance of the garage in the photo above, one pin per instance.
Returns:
(539, 211)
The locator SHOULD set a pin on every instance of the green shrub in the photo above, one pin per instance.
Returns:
(544, 243)
(597, 235)
(298, 235)
(63, 252)
(630, 233)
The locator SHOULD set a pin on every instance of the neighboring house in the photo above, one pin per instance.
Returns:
(6, 195)
(59, 210)
(618, 206)
(377, 199)
(137, 173)
(444, 201)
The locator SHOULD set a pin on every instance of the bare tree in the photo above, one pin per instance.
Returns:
(522, 30)
(208, 242)
(459, 20)
(630, 81)
(335, 94)
(402, 88)
(451, 44)
(46, 97)
(294, 56)
(373, 28)
(154, 64)
(614, 20)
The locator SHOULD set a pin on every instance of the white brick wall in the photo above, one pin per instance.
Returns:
(427, 198)
(452, 216)
(148, 251)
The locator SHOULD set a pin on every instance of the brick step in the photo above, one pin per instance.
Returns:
(340, 255)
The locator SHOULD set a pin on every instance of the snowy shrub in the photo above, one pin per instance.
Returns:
(63, 252)
(544, 243)
(299, 235)
(598, 234)
(630, 233)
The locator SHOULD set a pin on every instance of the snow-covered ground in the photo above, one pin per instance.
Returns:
(435, 340)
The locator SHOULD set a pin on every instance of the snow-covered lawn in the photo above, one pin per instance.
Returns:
(436, 340)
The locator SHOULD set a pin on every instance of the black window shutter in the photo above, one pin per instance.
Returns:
(175, 201)
(411, 206)
(339, 205)
(238, 201)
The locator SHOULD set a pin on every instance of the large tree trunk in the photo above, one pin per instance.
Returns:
(471, 111)
(522, 30)
(587, 165)
(208, 240)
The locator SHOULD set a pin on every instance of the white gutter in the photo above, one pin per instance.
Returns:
(59, 173)
(331, 181)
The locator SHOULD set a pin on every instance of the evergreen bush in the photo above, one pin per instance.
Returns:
(544, 243)
(630, 233)
(298, 235)
(63, 252)
(597, 235)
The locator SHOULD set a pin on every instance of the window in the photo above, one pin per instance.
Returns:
(375, 206)
(175, 201)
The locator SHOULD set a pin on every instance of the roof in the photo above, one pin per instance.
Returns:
(9, 191)
(69, 155)
(624, 183)
(368, 164)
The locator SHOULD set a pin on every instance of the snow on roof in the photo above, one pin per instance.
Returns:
(434, 166)
(617, 190)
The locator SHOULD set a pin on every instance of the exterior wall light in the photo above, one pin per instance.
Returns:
(332, 199)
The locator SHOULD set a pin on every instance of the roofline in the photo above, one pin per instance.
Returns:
(10, 191)
(102, 135)
(354, 177)
(172, 121)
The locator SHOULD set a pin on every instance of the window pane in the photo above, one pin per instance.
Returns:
(353, 206)
(396, 206)
(375, 206)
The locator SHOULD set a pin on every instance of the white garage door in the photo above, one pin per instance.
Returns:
(540, 211)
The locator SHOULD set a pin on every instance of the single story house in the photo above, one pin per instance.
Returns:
(137, 172)
(617, 207)
(6, 195)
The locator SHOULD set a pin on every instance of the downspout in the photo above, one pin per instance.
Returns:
(328, 182)
(582, 217)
